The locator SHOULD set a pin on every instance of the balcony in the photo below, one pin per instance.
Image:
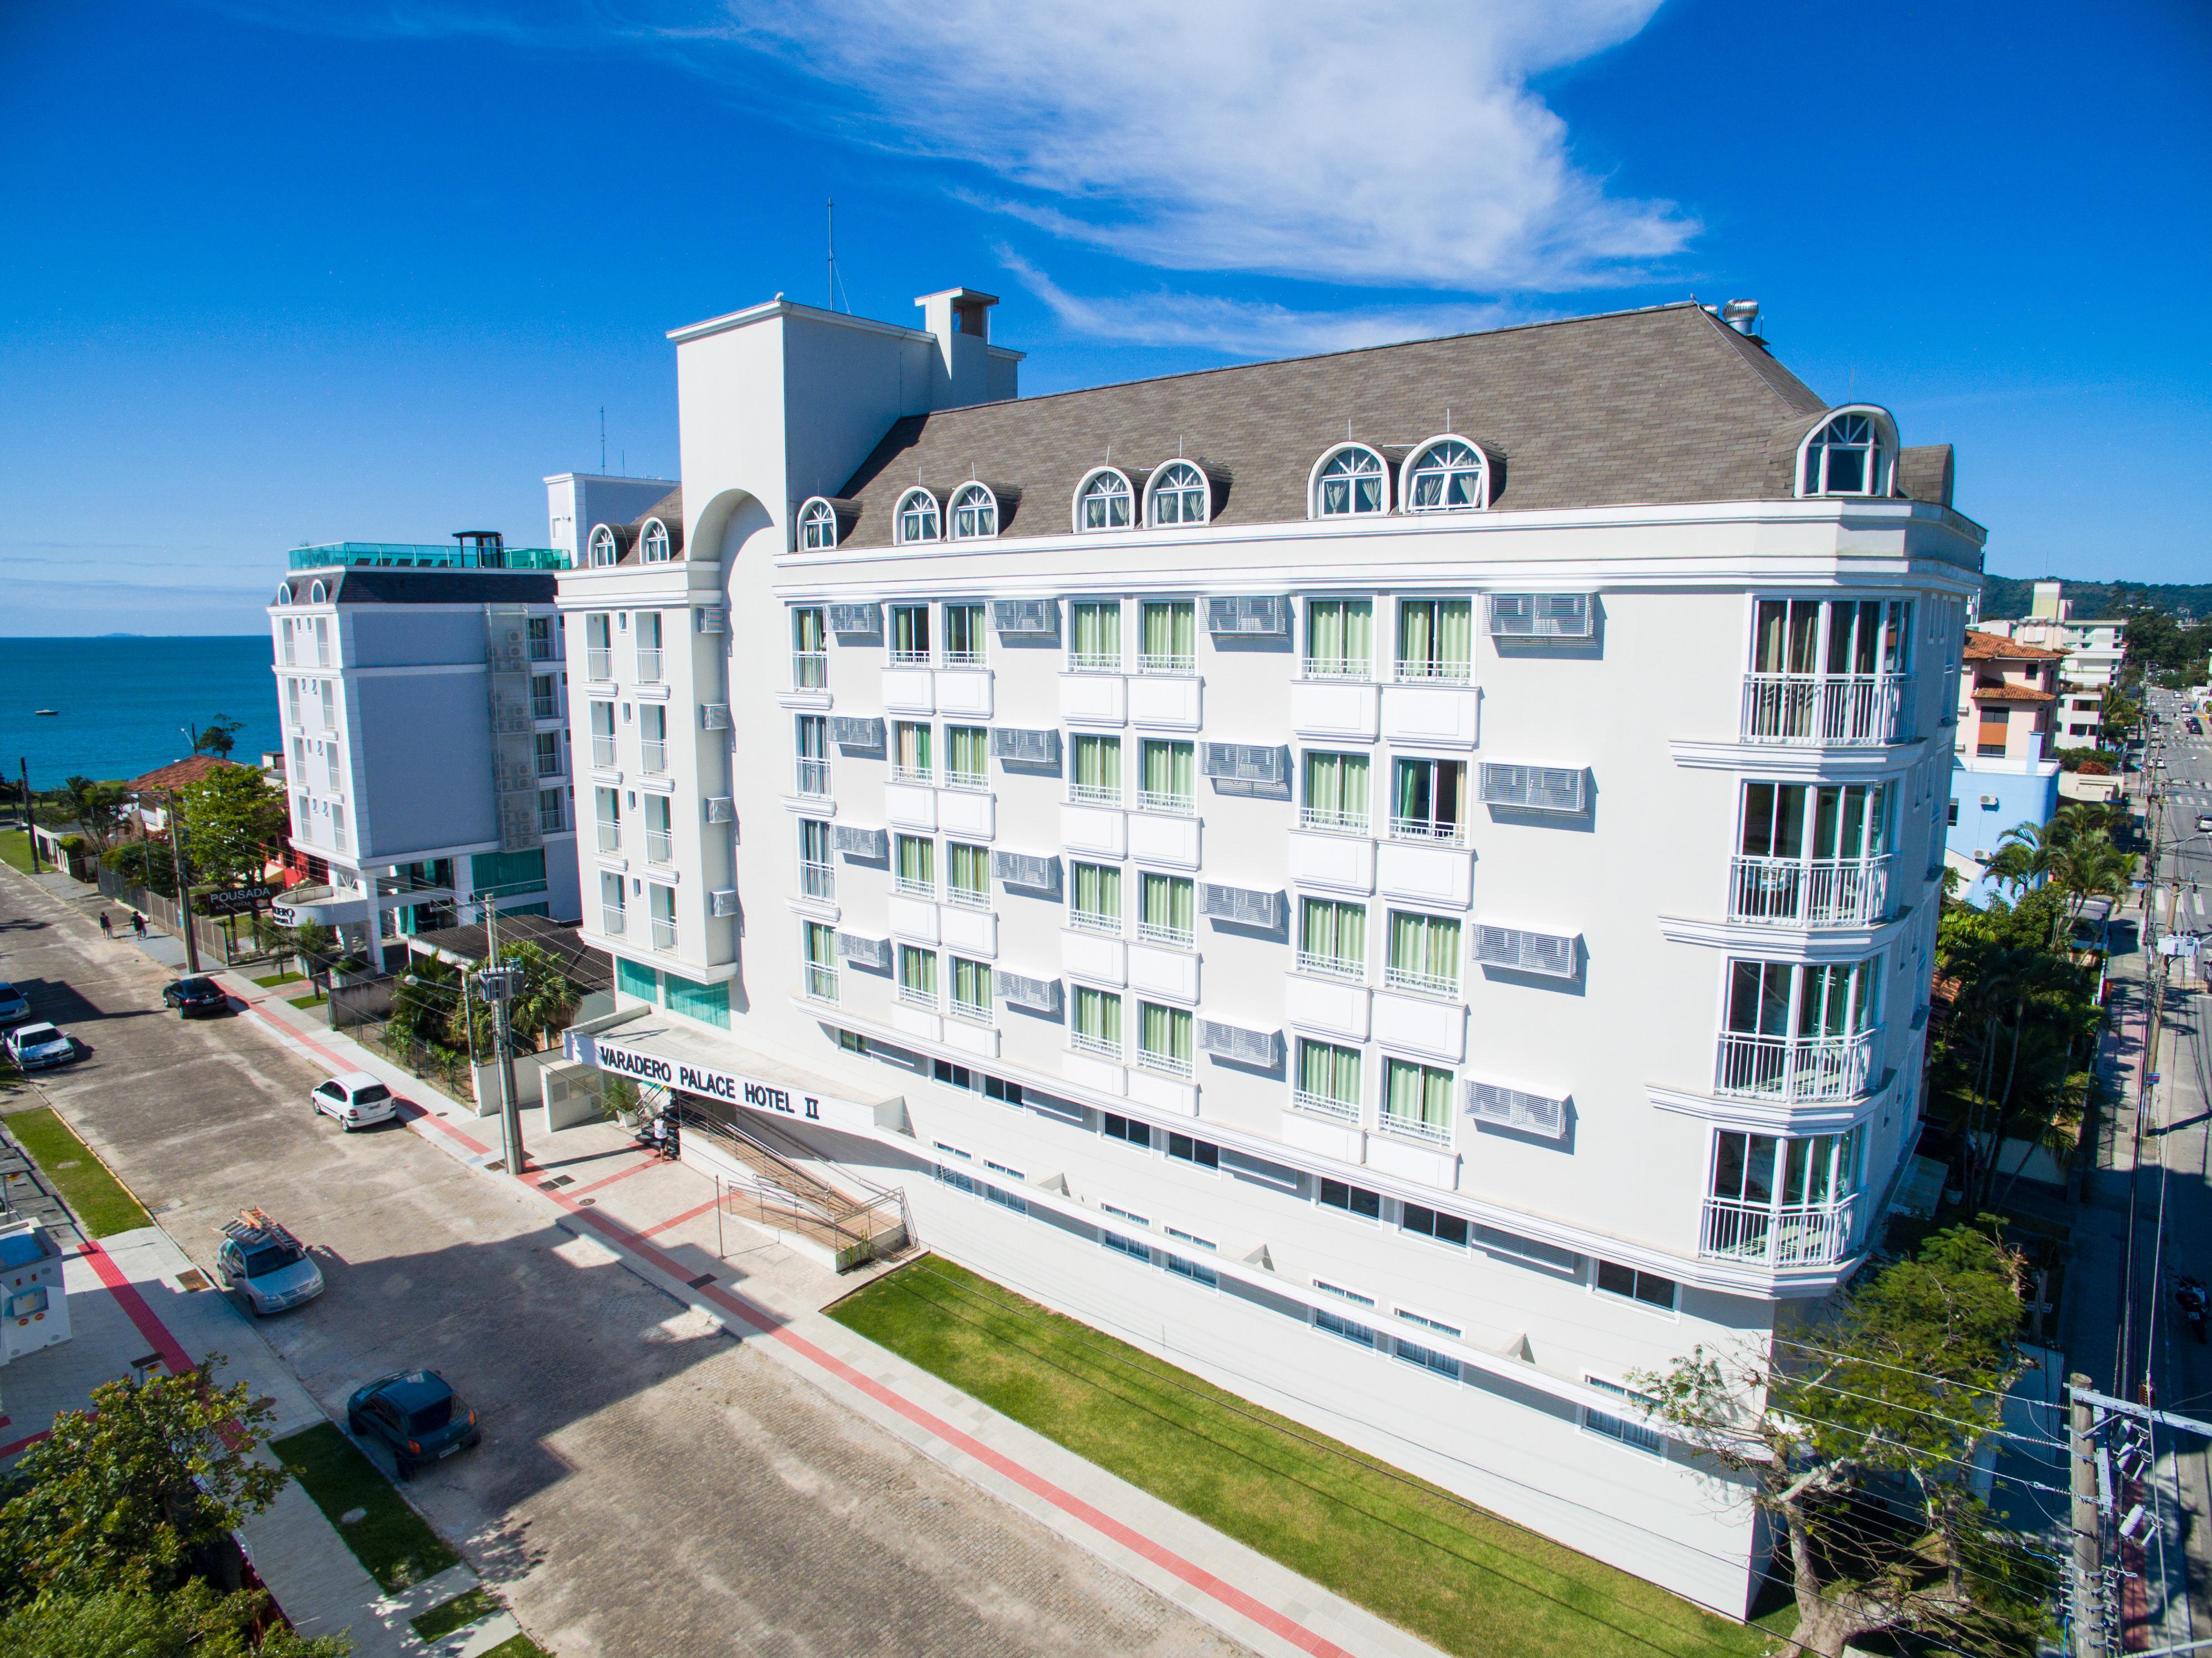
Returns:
(1175, 938)
(1349, 968)
(610, 920)
(599, 665)
(1809, 1235)
(818, 880)
(1809, 710)
(1092, 920)
(1094, 794)
(908, 658)
(652, 755)
(915, 996)
(814, 777)
(1809, 892)
(1424, 984)
(969, 780)
(1336, 667)
(810, 671)
(821, 983)
(1439, 831)
(603, 751)
(1166, 1064)
(1331, 822)
(1794, 1068)
(1103, 1047)
(1323, 1105)
(1148, 663)
(648, 664)
(659, 847)
(1434, 673)
(914, 886)
(547, 706)
(1413, 1129)
(610, 837)
(664, 932)
(1094, 662)
(1179, 805)
(921, 775)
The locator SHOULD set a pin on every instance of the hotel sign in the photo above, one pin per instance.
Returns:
(658, 1071)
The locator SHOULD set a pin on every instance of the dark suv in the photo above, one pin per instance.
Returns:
(195, 996)
(418, 1416)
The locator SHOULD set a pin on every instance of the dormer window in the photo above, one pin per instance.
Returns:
(1179, 495)
(1102, 501)
(1350, 479)
(817, 526)
(604, 551)
(653, 546)
(974, 514)
(918, 518)
(319, 594)
(1449, 475)
(283, 592)
(1847, 456)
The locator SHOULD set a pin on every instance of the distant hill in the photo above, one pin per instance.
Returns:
(2005, 597)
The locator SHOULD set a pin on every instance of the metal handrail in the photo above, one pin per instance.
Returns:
(1809, 891)
(1803, 1235)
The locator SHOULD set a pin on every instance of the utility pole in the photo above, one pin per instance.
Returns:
(2088, 1584)
(30, 820)
(183, 885)
(498, 986)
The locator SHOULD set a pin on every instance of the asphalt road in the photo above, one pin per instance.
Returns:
(645, 1486)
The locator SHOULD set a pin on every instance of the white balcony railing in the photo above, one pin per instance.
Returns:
(973, 781)
(664, 932)
(1165, 1064)
(599, 664)
(648, 664)
(1443, 831)
(1331, 967)
(1094, 661)
(653, 754)
(915, 996)
(1440, 673)
(1104, 1047)
(818, 880)
(908, 658)
(1809, 892)
(1858, 710)
(659, 847)
(1336, 667)
(810, 671)
(1179, 805)
(1092, 921)
(1809, 1235)
(1094, 794)
(814, 777)
(1175, 938)
(921, 775)
(821, 983)
(1426, 984)
(1331, 821)
(1149, 663)
(610, 837)
(1796, 1067)
(1323, 1105)
(967, 897)
(963, 659)
(603, 751)
(610, 920)
(1413, 1129)
(914, 886)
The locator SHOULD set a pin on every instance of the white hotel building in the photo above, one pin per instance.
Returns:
(1402, 880)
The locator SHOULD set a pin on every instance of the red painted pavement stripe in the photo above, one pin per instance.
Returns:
(658, 1227)
(26, 1445)
(337, 1064)
(1197, 1576)
(638, 1168)
(127, 1298)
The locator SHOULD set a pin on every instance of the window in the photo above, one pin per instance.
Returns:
(1449, 475)
(1430, 801)
(1179, 495)
(965, 748)
(604, 550)
(552, 812)
(653, 544)
(1351, 480)
(910, 634)
(1798, 1031)
(548, 745)
(1339, 639)
(1163, 1038)
(1444, 1229)
(1787, 1200)
(811, 732)
(611, 900)
(1127, 1130)
(1327, 1080)
(1427, 1357)
(1170, 781)
(809, 651)
(610, 818)
(1846, 457)
(1095, 636)
(910, 761)
(1196, 1271)
(662, 900)
(1203, 1153)
(1122, 1246)
(917, 517)
(1102, 501)
(660, 842)
(817, 526)
(1167, 909)
(964, 630)
(1634, 1435)
(1168, 636)
(1098, 1022)
(1097, 779)
(1423, 954)
(544, 697)
(292, 701)
(1332, 939)
(817, 870)
(1336, 792)
(1632, 1284)
(1436, 639)
(1347, 1329)
(599, 648)
(975, 513)
(917, 976)
(1097, 896)
(648, 647)
(653, 737)
(971, 988)
(917, 866)
(821, 941)
(330, 705)
(1417, 1102)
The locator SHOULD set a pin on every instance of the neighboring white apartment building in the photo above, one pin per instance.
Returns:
(424, 706)
(2093, 650)
(1403, 880)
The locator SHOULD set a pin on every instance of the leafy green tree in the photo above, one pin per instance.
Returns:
(125, 1493)
(192, 1622)
(422, 1004)
(234, 822)
(545, 1001)
(99, 810)
(1894, 1387)
(143, 863)
(219, 736)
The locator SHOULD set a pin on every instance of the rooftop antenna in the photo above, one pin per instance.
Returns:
(832, 214)
(603, 439)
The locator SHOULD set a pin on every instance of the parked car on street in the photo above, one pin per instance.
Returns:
(2204, 822)
(39, 1047)
(355, 1099)
(270, 1268)
(415, 1415)
(195, 996)
(13, 1004)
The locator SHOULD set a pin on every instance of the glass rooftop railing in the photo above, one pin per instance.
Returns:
(393, 554)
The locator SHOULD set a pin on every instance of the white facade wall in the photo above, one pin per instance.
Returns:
(779, 404)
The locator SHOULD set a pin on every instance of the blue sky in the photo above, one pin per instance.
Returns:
(286, 272)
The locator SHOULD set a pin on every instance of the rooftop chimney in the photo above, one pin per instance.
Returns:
(1742, 315)
(960, 318)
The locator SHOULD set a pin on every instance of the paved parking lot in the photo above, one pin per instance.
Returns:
(645, 1485)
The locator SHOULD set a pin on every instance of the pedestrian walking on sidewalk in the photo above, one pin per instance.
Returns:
(137, 924)
(107, 927)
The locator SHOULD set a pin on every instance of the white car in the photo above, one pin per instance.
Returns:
(13, 1004)
(355, 1098)
(36, 1047)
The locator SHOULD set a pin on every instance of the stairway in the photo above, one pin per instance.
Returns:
(767, 1188)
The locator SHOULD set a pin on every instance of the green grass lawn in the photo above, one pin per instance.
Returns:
(315, 1000)
(458, 1612)
(517, 1646)
(101, 1203)
(1460, 1578)
(275, 979)
(391, 1540)
(15, 848)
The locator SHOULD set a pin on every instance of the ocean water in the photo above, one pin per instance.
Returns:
(121, 703)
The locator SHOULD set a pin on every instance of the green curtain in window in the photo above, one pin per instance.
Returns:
(1418, 1093)
(964, 630)
(813, 840)
(1337, 931)
(1169, 901)
(1337, 783)
(709, 1004)
(964, 749)
(912, 751)
(1427, 945)
(971, 984)
(1436, 633)
(1098, 890)
(918, 970)
(1098, 762)
(1340, 630)
(1097, 629)
(635, 980)
(1168, 768)
(1164, 1031)
(807, 633)
(971, 868)
(1170, 629)
(1097, 1014)
(821, 944)
(1329, 1072)
(916, 859)
(910, 628)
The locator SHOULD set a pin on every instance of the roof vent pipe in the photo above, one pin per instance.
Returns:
(1742, 315)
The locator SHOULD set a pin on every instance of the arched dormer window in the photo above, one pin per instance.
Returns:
(283, 592)
(817, 526)
(319, 594)
(1448, 475)
(604, 550)
(918, 517)
(1350, 479)
(1178, 494)
(1849, 454)
(975, 513)
(653, 546)
(1103, 500)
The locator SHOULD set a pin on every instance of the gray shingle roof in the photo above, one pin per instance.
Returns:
(1657, 406)
(669, 509)
(378, 585)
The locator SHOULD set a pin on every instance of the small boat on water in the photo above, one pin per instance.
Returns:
(45, 712)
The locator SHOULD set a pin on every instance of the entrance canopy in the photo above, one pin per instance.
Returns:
(658, 1050)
